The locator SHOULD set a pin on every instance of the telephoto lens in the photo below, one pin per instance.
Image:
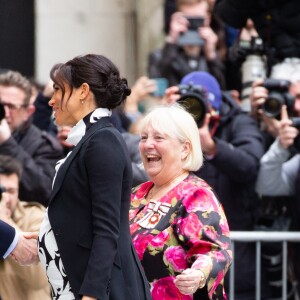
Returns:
(253, 68)
(194, 100)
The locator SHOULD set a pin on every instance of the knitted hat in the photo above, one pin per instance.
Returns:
(208, 83)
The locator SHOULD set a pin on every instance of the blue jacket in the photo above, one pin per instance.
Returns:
(7, 234)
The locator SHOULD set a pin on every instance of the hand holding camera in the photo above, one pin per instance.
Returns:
(187, 30)
(178, 25)
(211, 40)
(5, 131)
(270, 95)
(5, 212)
(257, 98)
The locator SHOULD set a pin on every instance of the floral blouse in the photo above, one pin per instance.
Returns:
(186, 228)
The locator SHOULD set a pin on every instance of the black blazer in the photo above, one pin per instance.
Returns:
(88, 212)
(7, 235)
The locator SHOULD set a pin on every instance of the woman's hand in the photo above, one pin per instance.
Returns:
(189, 281)
(88, 298)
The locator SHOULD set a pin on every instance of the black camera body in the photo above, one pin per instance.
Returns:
(191, 36)
(254, 46)
(194, 99)
(278, 95)
(2, 190)
(296, 123)
(2, 112)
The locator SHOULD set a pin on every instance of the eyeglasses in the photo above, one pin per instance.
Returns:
(12, 106)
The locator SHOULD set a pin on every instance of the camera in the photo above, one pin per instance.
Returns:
(278, 95)
(254, 67)
(194, 99)
(254, 46)
(191, 36)
(296, 123)
(2, 190)
(2, 112)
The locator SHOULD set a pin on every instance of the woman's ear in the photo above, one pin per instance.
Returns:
(84, 90)
(186, 150)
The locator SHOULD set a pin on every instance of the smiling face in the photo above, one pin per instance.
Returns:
(161, 154)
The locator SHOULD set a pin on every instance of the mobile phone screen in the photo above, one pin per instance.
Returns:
(161, 86)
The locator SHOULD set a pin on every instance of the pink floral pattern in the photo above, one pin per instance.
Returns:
(193, 234)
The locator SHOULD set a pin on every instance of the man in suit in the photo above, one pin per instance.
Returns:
(12, 242)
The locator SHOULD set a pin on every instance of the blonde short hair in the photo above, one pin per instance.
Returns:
(174, 121)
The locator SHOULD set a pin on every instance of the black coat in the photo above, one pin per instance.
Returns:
(88, 212)
(38, 152)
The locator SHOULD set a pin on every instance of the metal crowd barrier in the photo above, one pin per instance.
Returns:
(263, 236)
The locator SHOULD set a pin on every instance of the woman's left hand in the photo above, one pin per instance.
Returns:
(189, 281)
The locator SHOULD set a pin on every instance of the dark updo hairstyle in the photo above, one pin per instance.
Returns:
(102, 76)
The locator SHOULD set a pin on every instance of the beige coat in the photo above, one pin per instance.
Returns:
(30, 282)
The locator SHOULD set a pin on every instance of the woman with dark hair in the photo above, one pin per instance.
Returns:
(84, 241)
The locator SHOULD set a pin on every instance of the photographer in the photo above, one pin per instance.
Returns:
(285, 85)
(232, 145)
(277, 211)
(279, 176)
(279, 167)
(246, 62)
(277, 22)
(191, 44)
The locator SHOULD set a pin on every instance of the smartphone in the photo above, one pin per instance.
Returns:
(161, 86)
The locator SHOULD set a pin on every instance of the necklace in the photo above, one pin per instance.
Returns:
(166, 186)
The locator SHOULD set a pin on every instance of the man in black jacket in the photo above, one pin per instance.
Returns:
(36, 150)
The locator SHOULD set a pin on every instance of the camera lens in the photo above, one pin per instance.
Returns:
(195, 107)
(273, 104)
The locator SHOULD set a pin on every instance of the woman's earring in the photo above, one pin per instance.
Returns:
(81, 101)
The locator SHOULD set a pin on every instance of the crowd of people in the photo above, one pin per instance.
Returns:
(112, 192)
